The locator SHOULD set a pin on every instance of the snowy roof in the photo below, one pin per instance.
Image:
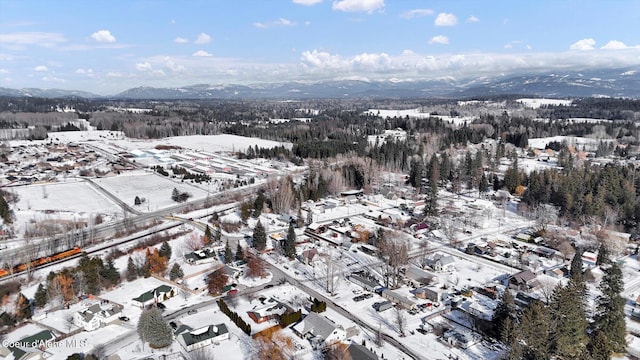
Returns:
(316, 325)
(205, 333)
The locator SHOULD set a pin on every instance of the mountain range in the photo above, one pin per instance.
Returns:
(618, 82)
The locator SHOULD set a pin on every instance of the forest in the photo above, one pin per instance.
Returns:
(466, 154)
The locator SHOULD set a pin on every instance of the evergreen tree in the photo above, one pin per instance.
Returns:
(239, 252)
(568, 310)
(217, 235)
(41, 296)
(535, 329)
(207, 235)
(5, 213)
(416, 173)
(259, 237)
(258, 204)
(165, 250)
(290, 243)
(153, 328)
(599, 346)
(484, 184)
(609, 317)
(603, 255)
(110, 273)
(506, 309)
(576, 266)
(176, 272)
(132, 270)
(228, 254)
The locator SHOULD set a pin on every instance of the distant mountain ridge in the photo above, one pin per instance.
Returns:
(619, 82)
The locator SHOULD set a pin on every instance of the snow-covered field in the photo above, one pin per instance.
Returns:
(156, 189)
(74, 200)
(536, 103)
(210, 143)
(590, 144)
(418, 114)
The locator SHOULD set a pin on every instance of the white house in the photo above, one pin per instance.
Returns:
(205, 336)
(154, 296)
(96, 315)
(319, 329)
(442, 263)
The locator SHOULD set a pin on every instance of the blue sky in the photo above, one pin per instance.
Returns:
(109, 46)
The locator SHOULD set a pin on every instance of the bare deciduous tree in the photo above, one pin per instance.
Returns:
(400, 320)
(394, 250)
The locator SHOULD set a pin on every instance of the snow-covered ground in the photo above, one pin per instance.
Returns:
(72, 200)
(536, 103)
(155, 189)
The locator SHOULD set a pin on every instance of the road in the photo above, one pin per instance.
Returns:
(339, 309)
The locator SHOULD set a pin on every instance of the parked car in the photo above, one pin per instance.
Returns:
(123, 318)
(173, 325)
(161, 306)
(192, 311)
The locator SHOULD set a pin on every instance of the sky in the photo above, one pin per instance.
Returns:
(106, 47)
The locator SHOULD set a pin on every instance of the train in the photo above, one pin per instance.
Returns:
(41, 261)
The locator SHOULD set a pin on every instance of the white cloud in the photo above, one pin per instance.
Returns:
(114, 74)
(103, 36)
(285, 22)
(32, 38)
(416, 13)
(145, 66)
(439, 39)
(280, 22)
(614, 45)
(4, 71)
(88, 72)
(40, 68)
(180, 40)
(445, 19)
(170, 64)
(201, 53)
(203, 39)
(368, 6)
(53, 79)
(584, 44)
(472, 19)
(307, 2)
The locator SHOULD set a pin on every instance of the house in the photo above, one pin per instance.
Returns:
(461, 338)
(442, 263)
(31, 347)
(589, 259)
(267, 313)
(316, 228)
(318, 329)
(418, 277)
(402, 300)
(382, 306)
(16, 353)
(195, 339)
(524, 280)
(202, 256)
(557, 272)
(366, 284)
(307, 256)
(154, 296)
(433, 294)
(360, 352)
(97, 315)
